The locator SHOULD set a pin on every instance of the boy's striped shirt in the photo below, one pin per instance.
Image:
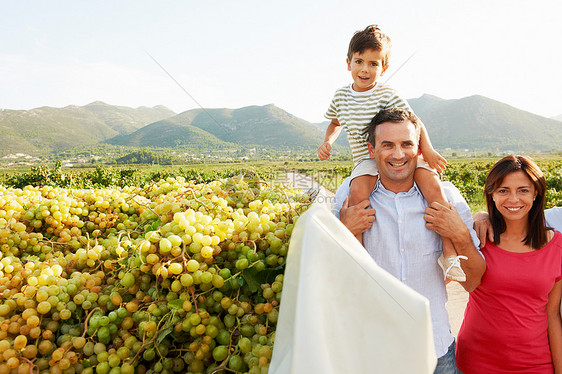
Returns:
(355, 110)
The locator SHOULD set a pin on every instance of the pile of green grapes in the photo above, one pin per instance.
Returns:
(172, 277)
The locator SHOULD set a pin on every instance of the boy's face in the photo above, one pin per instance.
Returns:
(366, 68)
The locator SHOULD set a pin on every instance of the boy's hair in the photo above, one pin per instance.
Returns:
(370, 38)
(394, 115)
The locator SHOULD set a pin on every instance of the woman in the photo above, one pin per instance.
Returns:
(512, 321)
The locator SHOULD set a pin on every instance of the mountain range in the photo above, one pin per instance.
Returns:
(475, 123)
(267, 126)
(46, 129)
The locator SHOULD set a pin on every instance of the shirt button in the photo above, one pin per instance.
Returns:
(403, 279)
(399, 221)
(402, 250)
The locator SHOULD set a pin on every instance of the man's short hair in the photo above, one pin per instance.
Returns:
(370, 38)
(394, 115)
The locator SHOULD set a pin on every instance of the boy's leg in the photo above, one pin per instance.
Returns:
(430, 186)
(360, 189)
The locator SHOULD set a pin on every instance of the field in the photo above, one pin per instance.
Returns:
(467, 174)
(159, 269)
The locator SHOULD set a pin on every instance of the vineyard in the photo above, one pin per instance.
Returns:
(120, 270)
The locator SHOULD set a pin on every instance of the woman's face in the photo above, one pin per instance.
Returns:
(514, 196)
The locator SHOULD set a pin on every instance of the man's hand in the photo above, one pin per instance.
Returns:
(357, 218)
(483, 227)
(444, 220)
(435, 160)
(324, 151)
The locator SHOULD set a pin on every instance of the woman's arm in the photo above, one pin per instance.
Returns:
(555, 326)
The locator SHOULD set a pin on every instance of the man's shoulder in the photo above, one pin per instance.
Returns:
(448, 186)
(452, 193)
(554, 218)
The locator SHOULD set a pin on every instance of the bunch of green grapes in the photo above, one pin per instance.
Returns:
(176, 276)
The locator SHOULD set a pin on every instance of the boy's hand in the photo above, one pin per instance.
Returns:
(324, 151)
(483, 227)
(435, 160)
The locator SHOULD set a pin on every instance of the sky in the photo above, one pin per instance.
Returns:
(231, 54)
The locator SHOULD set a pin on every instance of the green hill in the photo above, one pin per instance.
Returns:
(169, 133)
(126, 120)
(46, 129)
(480, 123)
(266, 126)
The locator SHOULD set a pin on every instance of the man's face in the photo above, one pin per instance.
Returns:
(396, 153)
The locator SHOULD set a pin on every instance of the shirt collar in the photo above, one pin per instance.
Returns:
(379, 186)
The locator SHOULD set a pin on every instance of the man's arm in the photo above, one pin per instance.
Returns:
(447, 222)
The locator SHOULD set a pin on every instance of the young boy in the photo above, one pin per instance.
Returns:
(354, 106)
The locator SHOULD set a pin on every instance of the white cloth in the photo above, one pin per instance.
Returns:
(554, 218)
(341, 313)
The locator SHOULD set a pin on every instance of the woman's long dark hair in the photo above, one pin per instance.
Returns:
(537, 230)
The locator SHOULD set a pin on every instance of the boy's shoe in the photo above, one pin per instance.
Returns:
(451, 267)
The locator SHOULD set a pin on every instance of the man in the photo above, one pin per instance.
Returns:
(396, 235)
(554, 218)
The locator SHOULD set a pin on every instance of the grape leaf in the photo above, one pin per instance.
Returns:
(256, 278)
(251, 277)
(154, 226)
(176, 304)
(162, 335)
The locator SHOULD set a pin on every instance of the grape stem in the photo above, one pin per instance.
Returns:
(31, 365)
(86, 321)
(192, 292)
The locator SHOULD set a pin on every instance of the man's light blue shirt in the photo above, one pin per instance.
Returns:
(554, 218)
(400, 243)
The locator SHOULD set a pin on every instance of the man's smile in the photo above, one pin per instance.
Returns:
(397, 164)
